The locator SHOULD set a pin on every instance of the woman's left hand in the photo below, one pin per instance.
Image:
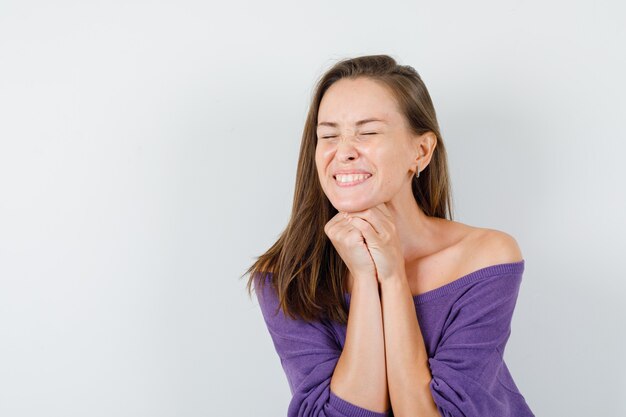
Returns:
(379, 231)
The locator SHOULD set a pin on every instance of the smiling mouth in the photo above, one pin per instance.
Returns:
(351, 180)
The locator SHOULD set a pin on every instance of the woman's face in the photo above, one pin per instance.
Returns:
(377, 153)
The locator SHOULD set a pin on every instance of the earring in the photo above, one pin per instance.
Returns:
(417, 171)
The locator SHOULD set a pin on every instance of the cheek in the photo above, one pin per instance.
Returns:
(322, 156)
(319, 163)
(386, 159)
(391, 166)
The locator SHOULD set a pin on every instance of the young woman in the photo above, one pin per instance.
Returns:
(377, 302)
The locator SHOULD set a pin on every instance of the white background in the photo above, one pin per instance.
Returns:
(148, 154)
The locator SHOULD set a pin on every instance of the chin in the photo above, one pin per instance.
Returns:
(352, 206)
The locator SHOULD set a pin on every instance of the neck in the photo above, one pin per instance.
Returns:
(419, 234)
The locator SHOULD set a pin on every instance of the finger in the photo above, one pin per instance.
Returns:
(374, 217)
(341, 215)
(369, 233)
(340, 227)
(348, 237)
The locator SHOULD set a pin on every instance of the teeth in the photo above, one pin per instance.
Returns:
(351, 178)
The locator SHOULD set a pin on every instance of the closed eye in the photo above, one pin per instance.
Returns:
(367, 133)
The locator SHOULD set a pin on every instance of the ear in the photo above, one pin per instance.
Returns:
(424, 146)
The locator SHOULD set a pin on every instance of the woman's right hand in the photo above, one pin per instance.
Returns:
(350, 244)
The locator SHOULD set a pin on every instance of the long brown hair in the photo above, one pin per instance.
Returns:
(306, 272)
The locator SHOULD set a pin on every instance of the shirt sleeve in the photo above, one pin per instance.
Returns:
(308, 353)
(469, 376)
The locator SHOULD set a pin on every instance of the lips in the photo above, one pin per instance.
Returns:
(352, 180)
(350, 172)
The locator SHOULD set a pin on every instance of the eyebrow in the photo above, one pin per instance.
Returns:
(359, 123)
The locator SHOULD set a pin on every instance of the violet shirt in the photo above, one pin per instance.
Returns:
(465, 325)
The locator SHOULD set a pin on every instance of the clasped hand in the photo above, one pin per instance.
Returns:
(368, 242)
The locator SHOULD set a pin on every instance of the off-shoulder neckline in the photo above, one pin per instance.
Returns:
(485, 272)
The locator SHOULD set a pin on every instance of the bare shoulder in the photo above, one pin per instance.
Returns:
(466, 250)
(495, 246)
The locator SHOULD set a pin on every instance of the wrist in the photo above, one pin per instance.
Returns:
(396, 281)
(393, 277)
(365, 283)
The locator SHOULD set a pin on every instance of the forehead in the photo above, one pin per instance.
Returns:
(349, 100)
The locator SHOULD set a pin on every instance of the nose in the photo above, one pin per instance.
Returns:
(346, 149)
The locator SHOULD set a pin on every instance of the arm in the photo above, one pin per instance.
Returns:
(468, 347)
(407, 360)
(360, 376)
(309, 354)
(466, 376)
(469, 377)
